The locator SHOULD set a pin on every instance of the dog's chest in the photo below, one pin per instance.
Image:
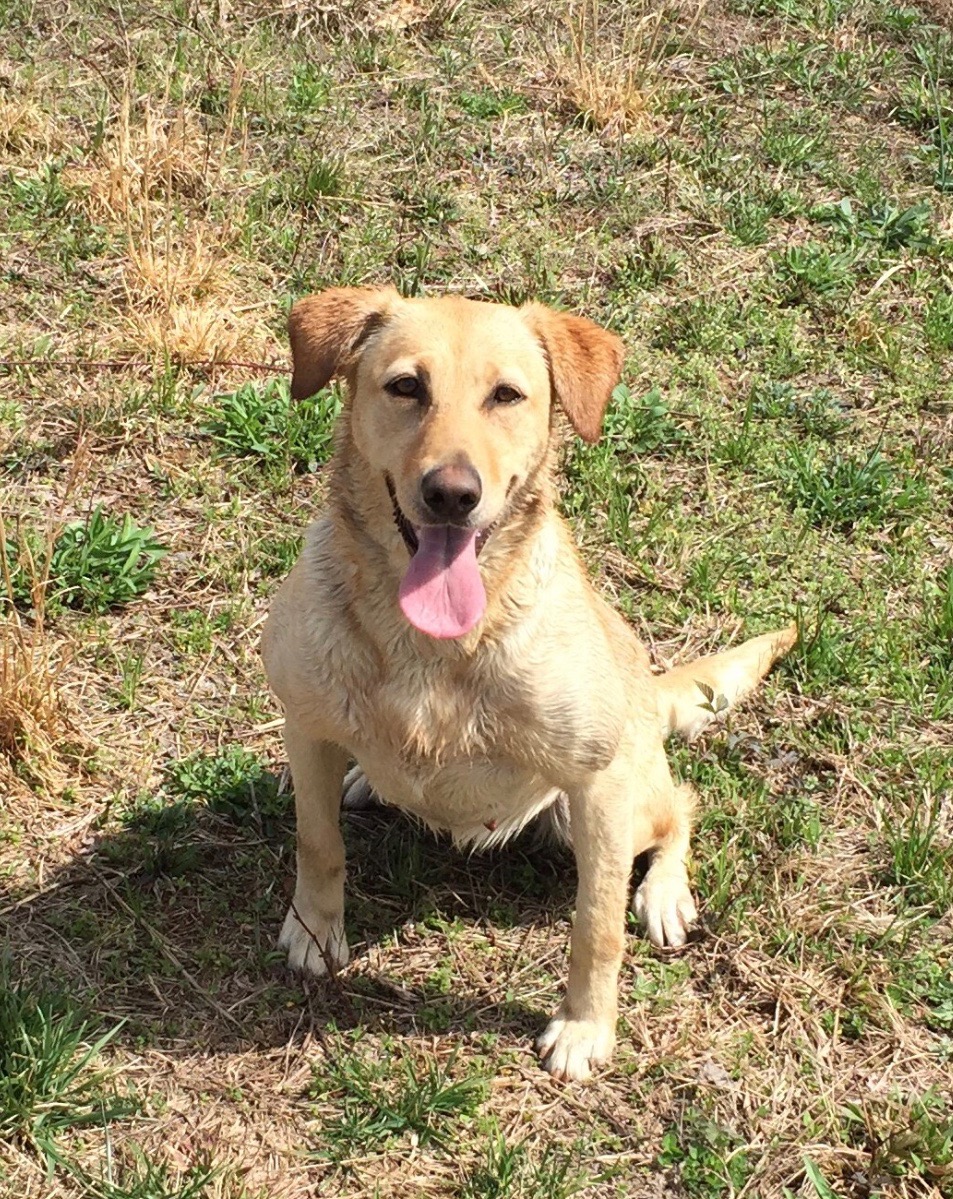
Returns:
(425, 715)
(440, 743)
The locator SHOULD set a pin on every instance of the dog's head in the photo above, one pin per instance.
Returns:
(450, 403)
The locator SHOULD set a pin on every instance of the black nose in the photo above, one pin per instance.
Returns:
(450, 493)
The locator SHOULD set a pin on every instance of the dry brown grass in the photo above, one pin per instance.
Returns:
(35, 720)
(155, 177)
(25, 128)
(612, 81)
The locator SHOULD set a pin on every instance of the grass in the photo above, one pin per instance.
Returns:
(233, 783)
(510, 1172)
(846, 490)
(379, 1103)
(50, 1080)
(144, 1179)
(40, 744)
(708, 1159)
(757, 196)
(94, 564)
(263, 423)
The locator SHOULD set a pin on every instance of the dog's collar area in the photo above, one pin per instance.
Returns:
(409, 533)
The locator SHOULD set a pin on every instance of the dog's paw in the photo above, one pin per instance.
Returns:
(317, 947)
(570, 1048)
(357, 794)
(664, 905)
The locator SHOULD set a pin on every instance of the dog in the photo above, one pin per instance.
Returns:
(440, 630)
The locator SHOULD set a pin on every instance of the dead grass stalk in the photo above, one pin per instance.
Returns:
(34, 718)
(610, 71)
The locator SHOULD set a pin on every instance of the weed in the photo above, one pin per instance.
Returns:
(314, 180)
(921, 858)
(709, 1159)
(275, 556)
(639, 426)
(938, 321)
(607, 473)
(746, 219)
(908, 1137)
(647, 264)
(922, 107)
(812, 271)
(310, 89)
(822, 1187)
(844, 491)
(379, 1104)
(889, 226)
(815, 411)
(264, 423)
(145, 1179)
(791, 147)
(938, 623)
(509, 1172)
(487, 104)
(162, 844)
(928, 981)
(233, 782)
(102, 562)
(49, 1080)
(194, 631)
(131, 667)
(42, 195)
(933, 56)
(428, 205)
(826, 653)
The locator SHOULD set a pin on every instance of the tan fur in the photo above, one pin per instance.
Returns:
(550, 698)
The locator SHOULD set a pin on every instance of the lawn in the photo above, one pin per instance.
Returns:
(758, 196)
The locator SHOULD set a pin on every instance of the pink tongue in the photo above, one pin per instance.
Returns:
(442, 592)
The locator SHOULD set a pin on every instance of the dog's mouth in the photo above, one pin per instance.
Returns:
(409, 533)
(442, 591)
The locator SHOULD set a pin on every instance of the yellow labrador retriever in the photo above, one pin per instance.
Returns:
(440, 629)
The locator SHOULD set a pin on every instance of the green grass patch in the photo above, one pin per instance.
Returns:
(844, 491)
(512, 1171)
(263, 423)
(709, 1159)
(52, 1081)
(381, 1101)
(233, 783)
(95, 564)
(146, 1179)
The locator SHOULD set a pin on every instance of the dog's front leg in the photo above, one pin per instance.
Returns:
(582, 1033)
(313, 932)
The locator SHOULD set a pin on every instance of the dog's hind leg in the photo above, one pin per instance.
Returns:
(692, 695)
(357, 794)
(663, 902)
(313, 931)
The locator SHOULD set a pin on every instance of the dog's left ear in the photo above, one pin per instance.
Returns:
(326, 330)
(585, 362)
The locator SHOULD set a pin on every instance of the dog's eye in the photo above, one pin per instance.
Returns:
(505, 394)
(404, 385)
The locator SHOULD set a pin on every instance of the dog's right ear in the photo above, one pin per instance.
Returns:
(326, 329)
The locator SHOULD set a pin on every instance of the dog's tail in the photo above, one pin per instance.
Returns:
(694, 694)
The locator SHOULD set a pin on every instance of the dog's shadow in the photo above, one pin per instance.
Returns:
(169, 924)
